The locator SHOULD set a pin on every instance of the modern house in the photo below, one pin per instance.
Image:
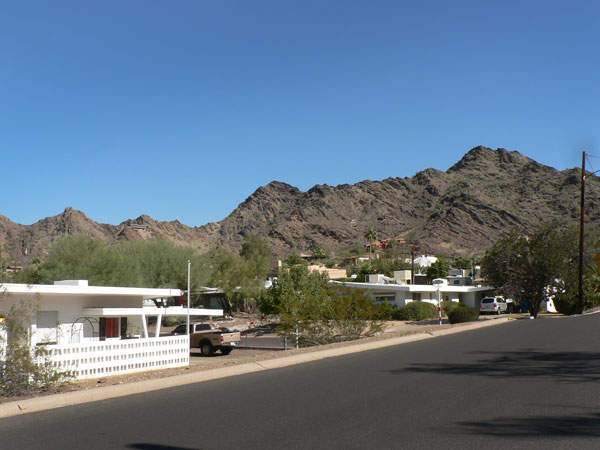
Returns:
(96, 331)
(399, 293)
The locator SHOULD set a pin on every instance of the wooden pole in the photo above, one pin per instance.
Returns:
(581, 233)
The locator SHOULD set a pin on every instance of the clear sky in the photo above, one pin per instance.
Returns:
(182, 109)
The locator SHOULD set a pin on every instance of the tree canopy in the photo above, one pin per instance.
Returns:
(527, 267)
(151, 263)
(242, 276)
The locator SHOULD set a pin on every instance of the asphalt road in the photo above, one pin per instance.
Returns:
(525, 385)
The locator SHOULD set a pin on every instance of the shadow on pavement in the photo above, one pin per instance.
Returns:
(146, 446)
(558, 426)
(565, 367)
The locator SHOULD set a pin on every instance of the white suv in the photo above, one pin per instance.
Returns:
(496, 305)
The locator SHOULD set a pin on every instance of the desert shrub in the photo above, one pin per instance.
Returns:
(566, 305)
(415, 311)
(463, 314)
(24, 368)
(322, 312)
(448, 305)
(385, 311)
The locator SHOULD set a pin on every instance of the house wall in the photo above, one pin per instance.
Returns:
(71, 326)
(403, 294)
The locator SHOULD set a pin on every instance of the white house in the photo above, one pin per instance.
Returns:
(401, 294)
(96, 331)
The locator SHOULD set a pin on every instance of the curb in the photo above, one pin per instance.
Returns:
(37, 404)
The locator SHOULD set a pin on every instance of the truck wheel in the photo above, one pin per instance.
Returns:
(226, 350)
(206, 348)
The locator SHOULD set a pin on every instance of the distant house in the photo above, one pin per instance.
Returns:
(398, 293)
(356, 260)
(101, 330)
(384, 243)
(332, 273)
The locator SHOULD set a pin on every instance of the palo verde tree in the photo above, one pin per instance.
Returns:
(320, 311)
(151, 263)
(526, 267)
(241, 277)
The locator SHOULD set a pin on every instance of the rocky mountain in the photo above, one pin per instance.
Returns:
(460, 211)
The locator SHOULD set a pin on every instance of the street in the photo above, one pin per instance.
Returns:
(528, 384)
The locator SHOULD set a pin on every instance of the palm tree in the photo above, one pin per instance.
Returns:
(371, 235)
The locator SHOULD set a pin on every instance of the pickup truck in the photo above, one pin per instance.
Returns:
(208, 338)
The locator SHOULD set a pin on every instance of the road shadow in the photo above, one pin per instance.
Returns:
(565, 367)
(147, 446)
(553, 427)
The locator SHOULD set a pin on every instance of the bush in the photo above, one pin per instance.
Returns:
(24, 368)
(565, 305)
(415, 311)
(463, 314)
(448, 305)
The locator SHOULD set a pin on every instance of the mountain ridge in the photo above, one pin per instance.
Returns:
(460, 211)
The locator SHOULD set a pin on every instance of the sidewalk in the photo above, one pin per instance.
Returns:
(424, 330)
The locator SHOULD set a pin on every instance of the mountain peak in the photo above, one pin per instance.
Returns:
(482, 158)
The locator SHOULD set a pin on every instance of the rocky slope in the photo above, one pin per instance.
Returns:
(462, 210)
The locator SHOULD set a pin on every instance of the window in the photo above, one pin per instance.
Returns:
(416, 296)
(47, 326)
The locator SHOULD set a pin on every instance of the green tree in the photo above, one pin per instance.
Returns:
(321, 312)
(242, 277)
(319, 253)
(438, 269)
(295, 259)
(525, 267)
(151, 263)
(460, 262)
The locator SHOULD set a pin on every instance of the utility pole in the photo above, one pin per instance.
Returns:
(189, 265)
(581, 233)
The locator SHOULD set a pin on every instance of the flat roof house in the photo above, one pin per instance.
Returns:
(97, 331)
(401, 294)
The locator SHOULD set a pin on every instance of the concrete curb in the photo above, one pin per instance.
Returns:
(78, 397)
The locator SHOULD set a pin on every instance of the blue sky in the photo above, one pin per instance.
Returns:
(182, 109)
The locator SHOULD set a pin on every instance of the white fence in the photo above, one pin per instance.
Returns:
(116, 357)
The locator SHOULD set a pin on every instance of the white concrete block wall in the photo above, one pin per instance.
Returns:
(120, 356)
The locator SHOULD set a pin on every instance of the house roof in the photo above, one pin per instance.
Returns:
(84, 290)
(150, 311)
(413, 287)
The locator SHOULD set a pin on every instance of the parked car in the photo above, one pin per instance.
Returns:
(208, 338)
(496, 305)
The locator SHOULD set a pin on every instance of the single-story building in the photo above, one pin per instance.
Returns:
(401, 294)
(96, 331)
